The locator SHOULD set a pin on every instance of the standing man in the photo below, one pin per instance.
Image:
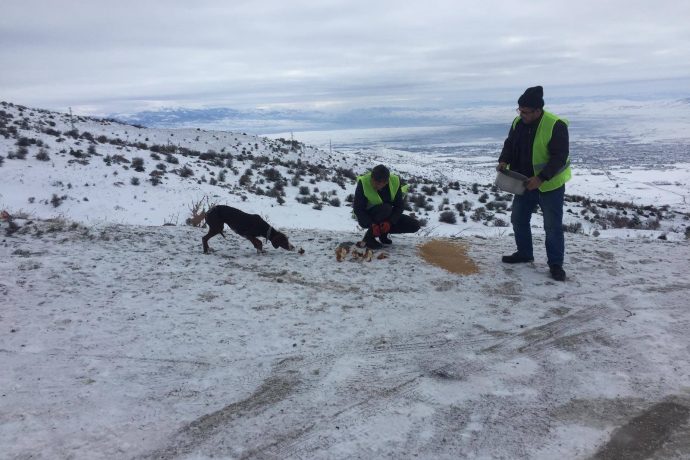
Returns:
(378, 206)
(537, 147)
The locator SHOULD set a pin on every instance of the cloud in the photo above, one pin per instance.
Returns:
(123, 55)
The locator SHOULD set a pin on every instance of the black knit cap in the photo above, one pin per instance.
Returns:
(532, 97)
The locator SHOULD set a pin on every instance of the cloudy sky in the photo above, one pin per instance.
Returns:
(114, 56)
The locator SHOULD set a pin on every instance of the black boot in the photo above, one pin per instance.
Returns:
(385, 239)
(516, 258)
(370, 241)
(557, 272)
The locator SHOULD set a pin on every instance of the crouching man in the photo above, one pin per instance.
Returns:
(378, 206)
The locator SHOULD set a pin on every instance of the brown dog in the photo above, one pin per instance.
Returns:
(249, 226)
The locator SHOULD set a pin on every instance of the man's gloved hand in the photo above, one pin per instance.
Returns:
(376, 229)
(533, 183)
(385, 227)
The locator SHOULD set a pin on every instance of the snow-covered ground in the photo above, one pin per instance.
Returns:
(127, 342)
(120, 339)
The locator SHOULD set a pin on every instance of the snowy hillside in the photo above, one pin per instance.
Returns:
(120, 339)
(92, 170)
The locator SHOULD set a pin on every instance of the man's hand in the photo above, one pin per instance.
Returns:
(376, 229)
(501, 166)
(533, 183)
(385, 227)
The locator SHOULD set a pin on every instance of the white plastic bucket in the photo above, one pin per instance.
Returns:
(511, 181)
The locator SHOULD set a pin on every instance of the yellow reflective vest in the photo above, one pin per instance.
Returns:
(372, 195)
(540, 151)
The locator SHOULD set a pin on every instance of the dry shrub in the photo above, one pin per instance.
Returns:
(198, 210)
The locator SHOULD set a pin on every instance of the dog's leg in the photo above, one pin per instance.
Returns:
(257, 244)
(204, 239)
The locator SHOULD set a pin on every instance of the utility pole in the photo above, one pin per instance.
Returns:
(330, 147)
(292, 141)
(71, 120)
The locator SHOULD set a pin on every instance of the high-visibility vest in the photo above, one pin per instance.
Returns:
(372, 195)
(540, 151)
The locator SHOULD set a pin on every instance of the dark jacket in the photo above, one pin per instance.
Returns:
(366, 217)
(517, 149)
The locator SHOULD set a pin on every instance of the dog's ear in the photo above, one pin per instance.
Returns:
(274, 241)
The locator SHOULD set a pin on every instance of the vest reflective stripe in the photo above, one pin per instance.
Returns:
(372, 195)
(540, 151)
(541, 166)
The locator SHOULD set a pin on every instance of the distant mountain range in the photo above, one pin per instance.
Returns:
(267, 121)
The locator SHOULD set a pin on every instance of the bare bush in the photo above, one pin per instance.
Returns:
(42, 155)
(244, 180)
(429, 190)
(448, 217)
(138, 164)
(57, 200)
(575, 227)
(25, 142)
(185, 171)
(198, 210)
(156, 177)
(20, 154)
(479, 214)
(272, 174)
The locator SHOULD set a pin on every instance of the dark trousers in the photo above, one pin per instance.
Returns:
(551, 204)
(382, 212)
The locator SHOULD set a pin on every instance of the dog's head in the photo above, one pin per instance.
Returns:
(279, 240)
